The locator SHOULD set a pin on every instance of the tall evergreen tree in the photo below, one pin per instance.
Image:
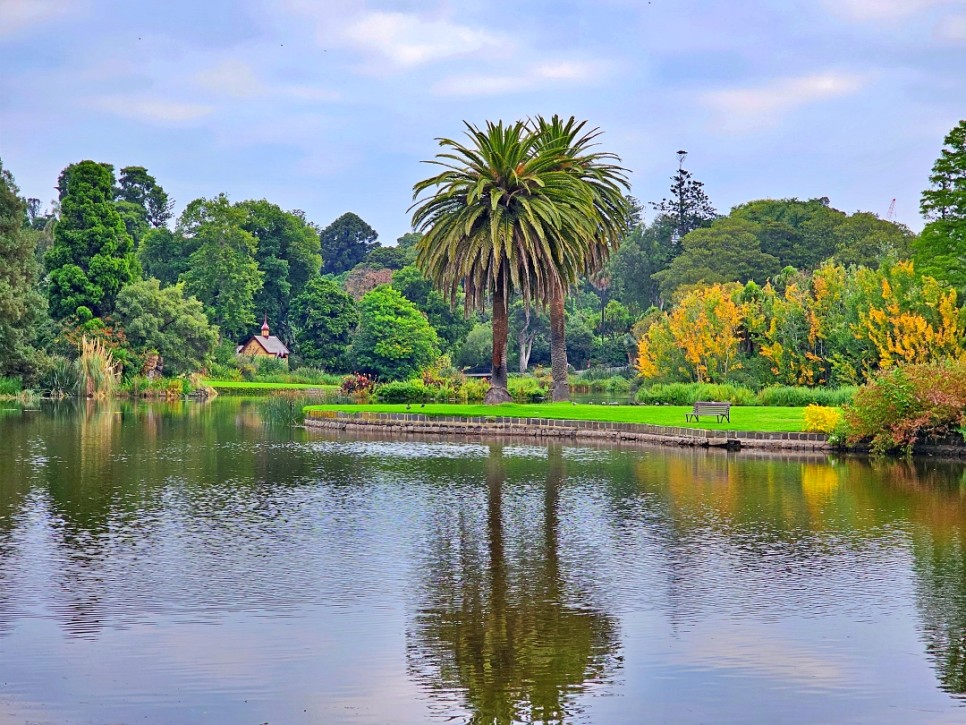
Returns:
(688, 205)
(137, 186)
(346, 242)
(93, 255)
(941, 249)
(20, 302)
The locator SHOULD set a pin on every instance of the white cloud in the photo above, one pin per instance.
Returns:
(154, 110)
(744, 109)
(528, 78)
(237, 78)
(952, 29)
(15, 15)
(407, 40)
(881, 10)
(232, 77)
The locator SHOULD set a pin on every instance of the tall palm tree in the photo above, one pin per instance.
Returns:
(606, 182)
(503, 217)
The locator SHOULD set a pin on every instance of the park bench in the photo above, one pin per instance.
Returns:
(721, 410)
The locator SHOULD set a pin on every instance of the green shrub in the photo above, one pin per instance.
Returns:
(220, 371)
(689, 393)
(799, 397)
(59, 377)
(10, 386)
(527, 389)
(904, 405)
(268, 365)
(474, 390)
(412, 391)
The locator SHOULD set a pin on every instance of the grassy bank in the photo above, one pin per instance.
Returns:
(746, 418)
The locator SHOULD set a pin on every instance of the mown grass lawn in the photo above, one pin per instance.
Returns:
(753, 418)
(243, 385)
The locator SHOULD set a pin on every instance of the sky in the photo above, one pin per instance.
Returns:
(331, 106)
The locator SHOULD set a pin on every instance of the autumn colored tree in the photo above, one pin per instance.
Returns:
(706, 327)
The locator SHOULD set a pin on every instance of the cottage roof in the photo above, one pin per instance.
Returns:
(271, 344)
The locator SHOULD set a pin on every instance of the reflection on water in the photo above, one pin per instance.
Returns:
(498, 623)
(179, 562)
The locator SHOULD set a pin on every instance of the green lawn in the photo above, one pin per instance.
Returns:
(242, 385)
(753, 418)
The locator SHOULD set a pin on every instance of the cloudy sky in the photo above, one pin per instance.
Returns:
(330, 105)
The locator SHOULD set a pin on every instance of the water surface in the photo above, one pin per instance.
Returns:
(187, 563)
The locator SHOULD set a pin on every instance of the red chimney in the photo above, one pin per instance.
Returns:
(265, 327)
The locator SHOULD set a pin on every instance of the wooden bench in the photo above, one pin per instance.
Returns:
(721, 410)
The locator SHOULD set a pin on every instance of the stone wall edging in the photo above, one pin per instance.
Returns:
(590, 430)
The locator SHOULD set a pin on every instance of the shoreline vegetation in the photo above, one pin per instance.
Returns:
(853, 322)
(744, 418)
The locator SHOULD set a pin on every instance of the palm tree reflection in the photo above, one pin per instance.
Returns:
(501, 627)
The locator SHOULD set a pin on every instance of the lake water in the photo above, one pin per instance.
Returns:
(186, 563)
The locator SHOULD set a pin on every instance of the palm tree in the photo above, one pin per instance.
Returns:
(606, 182)
(505, 216)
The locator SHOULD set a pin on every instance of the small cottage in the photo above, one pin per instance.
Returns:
(264, 344)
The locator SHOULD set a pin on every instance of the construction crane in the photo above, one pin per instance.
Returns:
(892, 211)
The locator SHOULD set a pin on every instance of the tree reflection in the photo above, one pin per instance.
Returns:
(500, 626)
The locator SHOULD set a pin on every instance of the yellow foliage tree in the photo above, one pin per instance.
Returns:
(909, 318)
(705, 327)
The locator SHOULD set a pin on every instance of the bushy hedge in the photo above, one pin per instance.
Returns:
(689, 393)
(907, 404)
(410, 391)
(785, 396)
(799, 397)
(616, 384)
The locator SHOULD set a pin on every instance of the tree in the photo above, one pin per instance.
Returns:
(941, 249)
(727, 251)
(395, 340)
(864, 239)
(705, 328)
(136, 186)
(389, 258)
(166, 321)
(346, 242)
(477, 348)
(322, 317)
(608, 212)
(689, 205)
(93, 255)
(287, 253)
(946, 198)
(450, 325)
(644, 251)
(20, 302)
(528, 325)
(222, 271)
(164, 254)
(504, 217)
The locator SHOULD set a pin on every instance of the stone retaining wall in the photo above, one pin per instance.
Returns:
(589, 430)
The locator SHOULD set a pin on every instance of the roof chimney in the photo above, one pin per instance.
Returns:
(265, 327)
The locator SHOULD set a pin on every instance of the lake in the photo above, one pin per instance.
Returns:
(189, 563)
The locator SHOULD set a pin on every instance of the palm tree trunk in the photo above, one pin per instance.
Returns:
(558, 347)
(498, 392)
